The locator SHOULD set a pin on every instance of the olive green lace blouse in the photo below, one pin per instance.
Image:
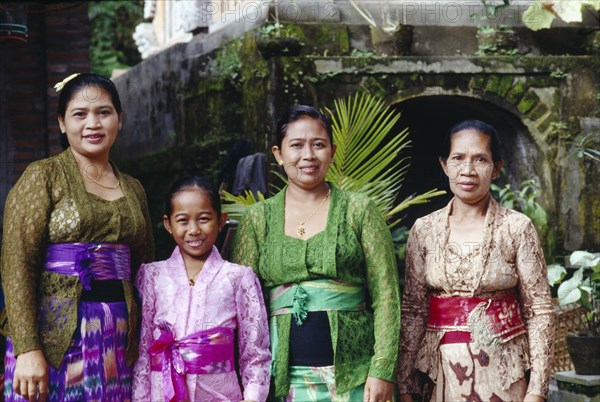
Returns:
(49, 204)
(355, 247)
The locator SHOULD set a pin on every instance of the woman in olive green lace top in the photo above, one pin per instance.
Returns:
(327, 260)
(75, 230)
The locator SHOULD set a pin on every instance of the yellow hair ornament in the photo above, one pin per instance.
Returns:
(59, 86)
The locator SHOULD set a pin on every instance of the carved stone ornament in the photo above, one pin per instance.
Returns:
(145, 39)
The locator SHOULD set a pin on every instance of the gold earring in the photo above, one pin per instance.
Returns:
(280, 163)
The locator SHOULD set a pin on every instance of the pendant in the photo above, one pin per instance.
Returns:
(301, 231)
(191, 281)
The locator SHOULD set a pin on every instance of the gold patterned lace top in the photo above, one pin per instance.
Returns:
(49, 204)
(509, 257)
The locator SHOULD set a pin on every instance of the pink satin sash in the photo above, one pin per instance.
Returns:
(204, 352)
(452, 315)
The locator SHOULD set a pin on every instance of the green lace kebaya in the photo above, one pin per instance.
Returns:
(356, 248)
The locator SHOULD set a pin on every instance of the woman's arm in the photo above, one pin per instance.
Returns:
(253, 342)
(536, 305)
(26, 217)
(245, 248)
(382, 282)
(415, 310)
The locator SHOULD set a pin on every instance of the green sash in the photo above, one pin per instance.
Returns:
(298, 299)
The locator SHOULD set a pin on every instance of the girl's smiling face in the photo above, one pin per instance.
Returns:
(194, 224)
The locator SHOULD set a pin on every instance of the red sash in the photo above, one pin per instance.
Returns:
(461, 318)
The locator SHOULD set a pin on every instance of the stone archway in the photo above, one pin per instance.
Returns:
(429, 118)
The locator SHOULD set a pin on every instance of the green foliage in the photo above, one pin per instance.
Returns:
(558, 74)
(583, 147)
(523, 200)
(491, 10)
(277, 30)
(229, 62)
(583, 287)
(399, 237)
(235, 205)
(113, 23)
(367, 159)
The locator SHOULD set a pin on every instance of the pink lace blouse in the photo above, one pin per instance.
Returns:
(224, 295)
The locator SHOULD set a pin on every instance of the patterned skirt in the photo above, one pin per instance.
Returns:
(467, 374)
(94, 367)
(317, 384)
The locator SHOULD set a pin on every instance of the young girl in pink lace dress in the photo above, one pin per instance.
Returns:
(193, 304)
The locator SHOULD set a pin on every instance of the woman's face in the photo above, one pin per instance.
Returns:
(306, 153)
(91, 123)
(469, 167)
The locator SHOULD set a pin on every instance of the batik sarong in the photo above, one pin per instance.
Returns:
(314, 384)
(94, 368)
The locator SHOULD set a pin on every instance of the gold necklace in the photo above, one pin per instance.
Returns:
(116, 185)
(301, 230)
(191, 279)
(90, 178)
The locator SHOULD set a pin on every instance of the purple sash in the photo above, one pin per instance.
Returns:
(100, 261)
(204, 352)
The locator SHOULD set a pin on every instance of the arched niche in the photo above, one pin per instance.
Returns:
(429, 118)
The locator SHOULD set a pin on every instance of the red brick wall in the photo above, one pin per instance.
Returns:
(57, 46)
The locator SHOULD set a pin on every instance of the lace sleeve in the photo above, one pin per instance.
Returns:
(382, 280)
(244, 250)
(536, 305)
(141, 372)
(26, 217)
(253, 333)
(414, 314)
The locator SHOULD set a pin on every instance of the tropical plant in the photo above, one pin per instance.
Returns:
(582, 288)
(367, 158)
(523, 200)
(583, 147)
(541, 13)
(112, 45)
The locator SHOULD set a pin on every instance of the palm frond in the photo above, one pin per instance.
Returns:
(367, 157)
(235, 205)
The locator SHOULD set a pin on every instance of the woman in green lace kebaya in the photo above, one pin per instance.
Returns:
(75, 231)
(326, 259)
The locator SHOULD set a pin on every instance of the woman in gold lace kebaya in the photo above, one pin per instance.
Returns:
(75, 231)
(477, 317)
(327, 260)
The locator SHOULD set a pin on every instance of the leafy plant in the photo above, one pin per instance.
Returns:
(491, 11)
(541, 13)
(367, 157)
(583, 149)
(112, 46)
(582, 288)
(558, 74)
(523, 200)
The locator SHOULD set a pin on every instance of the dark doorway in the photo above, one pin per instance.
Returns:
(429, 118)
